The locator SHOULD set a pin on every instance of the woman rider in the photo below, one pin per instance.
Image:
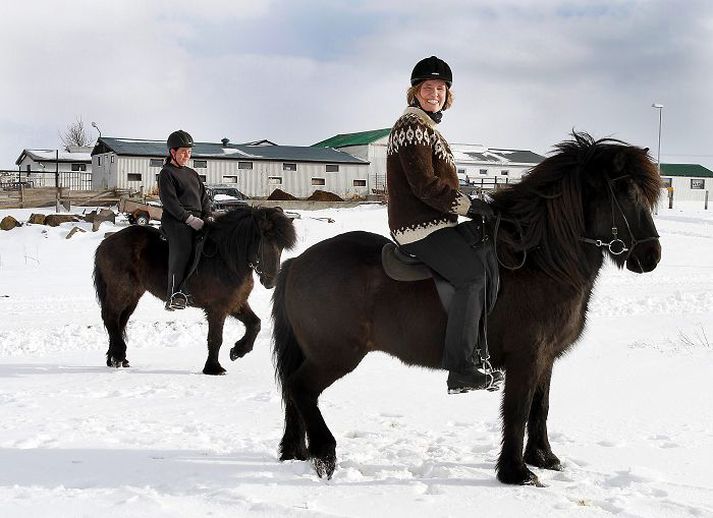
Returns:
(185, 208)
(423, 206)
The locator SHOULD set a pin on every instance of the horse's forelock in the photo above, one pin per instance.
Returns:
(277, 227)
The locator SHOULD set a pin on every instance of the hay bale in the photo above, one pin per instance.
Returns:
(54, 220)
(279, 194)
(8, 223)
(320, 195)
(37, 219)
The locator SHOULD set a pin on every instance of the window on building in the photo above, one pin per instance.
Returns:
(28, 167)
(156, 162)
(202, 177)
(461, 171)
(288, 166)
(332, 168)
(230, 179)
(317, 181)
(698, 183)
(667, 182)
(99, 160)
(245, 165)
(79, 167)
(274, 180)
(200, 164)
(112, 159)
(133, 177)
(504, 172)
(483, 171)
(359, 183)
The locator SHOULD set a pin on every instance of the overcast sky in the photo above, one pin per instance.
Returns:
(297, 72)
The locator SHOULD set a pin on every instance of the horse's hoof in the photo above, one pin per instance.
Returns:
(214, 370)
(543, 459)
(117, 363)
(519, 476)
(324, 466)
(239, 350)
(293, 453)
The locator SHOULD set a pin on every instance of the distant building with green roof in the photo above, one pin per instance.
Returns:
(688, 182)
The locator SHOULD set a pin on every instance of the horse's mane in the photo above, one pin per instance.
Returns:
(238, 232)
(548, 203)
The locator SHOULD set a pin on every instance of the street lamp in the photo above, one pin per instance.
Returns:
(94, 125)
(659, 107)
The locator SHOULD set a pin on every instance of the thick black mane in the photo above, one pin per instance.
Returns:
(549, 202)
(237, 233)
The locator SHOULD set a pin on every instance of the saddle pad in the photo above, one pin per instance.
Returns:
(400, 271)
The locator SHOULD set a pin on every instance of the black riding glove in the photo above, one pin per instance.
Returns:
(479, 208)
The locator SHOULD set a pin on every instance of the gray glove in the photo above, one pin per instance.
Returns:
(194, 222)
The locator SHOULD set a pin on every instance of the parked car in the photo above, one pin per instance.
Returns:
(223, 198)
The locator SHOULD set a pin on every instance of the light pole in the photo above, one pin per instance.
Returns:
(94, 125)
(659, 107)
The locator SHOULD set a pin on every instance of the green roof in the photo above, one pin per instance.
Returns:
(353, 139)
(688, 170)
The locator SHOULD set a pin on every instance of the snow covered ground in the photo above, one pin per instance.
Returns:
(631, 408)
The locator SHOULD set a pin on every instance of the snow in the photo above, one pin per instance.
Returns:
(631, 412)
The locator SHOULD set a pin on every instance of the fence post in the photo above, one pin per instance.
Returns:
(670, 198)
(22, 196)
(705, 205)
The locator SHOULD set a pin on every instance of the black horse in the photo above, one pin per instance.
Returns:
(590, 200)
(135, 260)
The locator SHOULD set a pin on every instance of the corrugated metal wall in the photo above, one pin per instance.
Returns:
(135, 173)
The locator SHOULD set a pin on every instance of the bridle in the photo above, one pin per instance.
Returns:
(616, 245)
(256, 264)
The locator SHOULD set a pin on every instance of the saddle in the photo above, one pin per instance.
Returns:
(404, 267)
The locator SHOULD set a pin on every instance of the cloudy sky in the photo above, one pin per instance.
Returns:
(296, 72)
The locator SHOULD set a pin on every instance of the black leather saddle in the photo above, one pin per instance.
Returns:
(404, 267)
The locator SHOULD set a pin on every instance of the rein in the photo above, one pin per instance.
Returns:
(495, 238)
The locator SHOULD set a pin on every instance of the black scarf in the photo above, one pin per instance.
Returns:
(435, 116)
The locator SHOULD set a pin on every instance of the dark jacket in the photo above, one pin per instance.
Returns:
(421, 178)
(182, 193)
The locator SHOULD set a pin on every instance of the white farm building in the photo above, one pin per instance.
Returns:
(255, 168)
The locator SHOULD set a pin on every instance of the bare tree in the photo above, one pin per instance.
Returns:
(75, 135)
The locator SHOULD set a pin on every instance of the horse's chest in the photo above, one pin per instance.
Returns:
(568, 324)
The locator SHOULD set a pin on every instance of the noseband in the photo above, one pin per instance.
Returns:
(256, 264)
(616, 245)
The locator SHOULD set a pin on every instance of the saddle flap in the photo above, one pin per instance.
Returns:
(402, 267)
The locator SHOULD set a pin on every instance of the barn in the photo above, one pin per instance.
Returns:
(255, 168)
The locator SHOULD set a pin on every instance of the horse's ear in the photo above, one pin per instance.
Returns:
(646, 151)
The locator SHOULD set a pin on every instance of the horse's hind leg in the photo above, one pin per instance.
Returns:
(538, 451)
(292, 445)
(304, 387)
(115, 320)
(215, 340)
(252, 327)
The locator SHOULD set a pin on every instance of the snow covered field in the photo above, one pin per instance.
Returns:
(631, 408)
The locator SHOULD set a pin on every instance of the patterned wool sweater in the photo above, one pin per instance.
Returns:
(421, 178)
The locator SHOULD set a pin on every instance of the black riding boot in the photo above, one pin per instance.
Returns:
(180, 252)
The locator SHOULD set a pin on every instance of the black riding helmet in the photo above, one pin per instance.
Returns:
(179, 138)
(431, 68)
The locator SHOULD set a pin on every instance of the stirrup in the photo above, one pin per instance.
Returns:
(178, 301)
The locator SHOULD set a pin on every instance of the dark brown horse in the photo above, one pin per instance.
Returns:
(333, 304)
(135, 260)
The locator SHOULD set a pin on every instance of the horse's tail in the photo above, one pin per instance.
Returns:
(100, 285)
(287, 355)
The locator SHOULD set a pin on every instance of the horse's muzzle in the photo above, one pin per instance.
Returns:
(644, 257)
(267, 282)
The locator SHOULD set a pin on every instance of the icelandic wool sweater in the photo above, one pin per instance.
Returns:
(182, 193)
(421, 178)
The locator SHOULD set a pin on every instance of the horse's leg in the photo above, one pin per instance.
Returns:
(215, 340)
(538, 451)
(304, 387)
(252, 327)
(292, 445)
(520, 383)
(116, 315)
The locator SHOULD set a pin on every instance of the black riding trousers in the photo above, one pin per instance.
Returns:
(458, 255)
(180, 252)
